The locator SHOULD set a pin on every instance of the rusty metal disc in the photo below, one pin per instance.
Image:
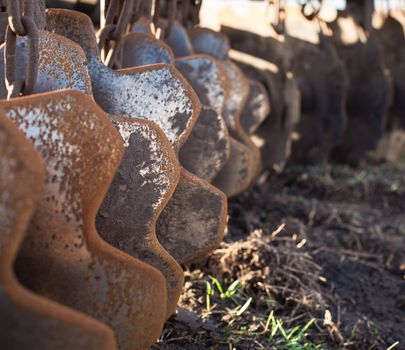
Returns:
(28, 320)
(63, 257)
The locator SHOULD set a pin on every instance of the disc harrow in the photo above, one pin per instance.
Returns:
(28, 318)
(120, 146)
(63, 257)
(156, 93)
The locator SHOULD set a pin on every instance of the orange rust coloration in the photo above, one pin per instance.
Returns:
(28, 320)
(158, 93)
(63, 258)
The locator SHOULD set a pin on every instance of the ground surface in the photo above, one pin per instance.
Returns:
(314, 259)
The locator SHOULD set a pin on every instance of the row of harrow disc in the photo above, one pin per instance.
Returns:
(115, 168)
(116, 165)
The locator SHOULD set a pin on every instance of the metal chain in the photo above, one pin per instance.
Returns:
(22, 25)
(117, 18)
(171, 15)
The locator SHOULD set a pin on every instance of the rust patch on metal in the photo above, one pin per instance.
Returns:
(142, 186)
(28, 320)
(158, 93)
(62, 65)
(63, 257)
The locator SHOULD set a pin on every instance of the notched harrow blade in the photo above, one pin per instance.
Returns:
(119, 212)
(158, 93)
(28, 320)
(63, 257)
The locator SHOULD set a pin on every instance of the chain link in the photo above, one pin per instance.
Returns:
(117, 18)
(21, 25)
(14, 17)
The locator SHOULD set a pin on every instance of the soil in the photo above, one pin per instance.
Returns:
(319, 242)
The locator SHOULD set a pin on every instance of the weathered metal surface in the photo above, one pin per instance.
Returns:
(236, 175)
(369, 86)
(63, 257)
(193, 224)
(391, 38)
(204, 154)
(144, 183)
(66, 70)
(213, 88)
(238, 97)
(207, 149)
(207, 41)
(140, 49)
(274, 136)
(61, 65)
(256, 109)
(147, 101)
(208, 78)
(27, 320)
(179, 41)
(235, 164)
(158, 93)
